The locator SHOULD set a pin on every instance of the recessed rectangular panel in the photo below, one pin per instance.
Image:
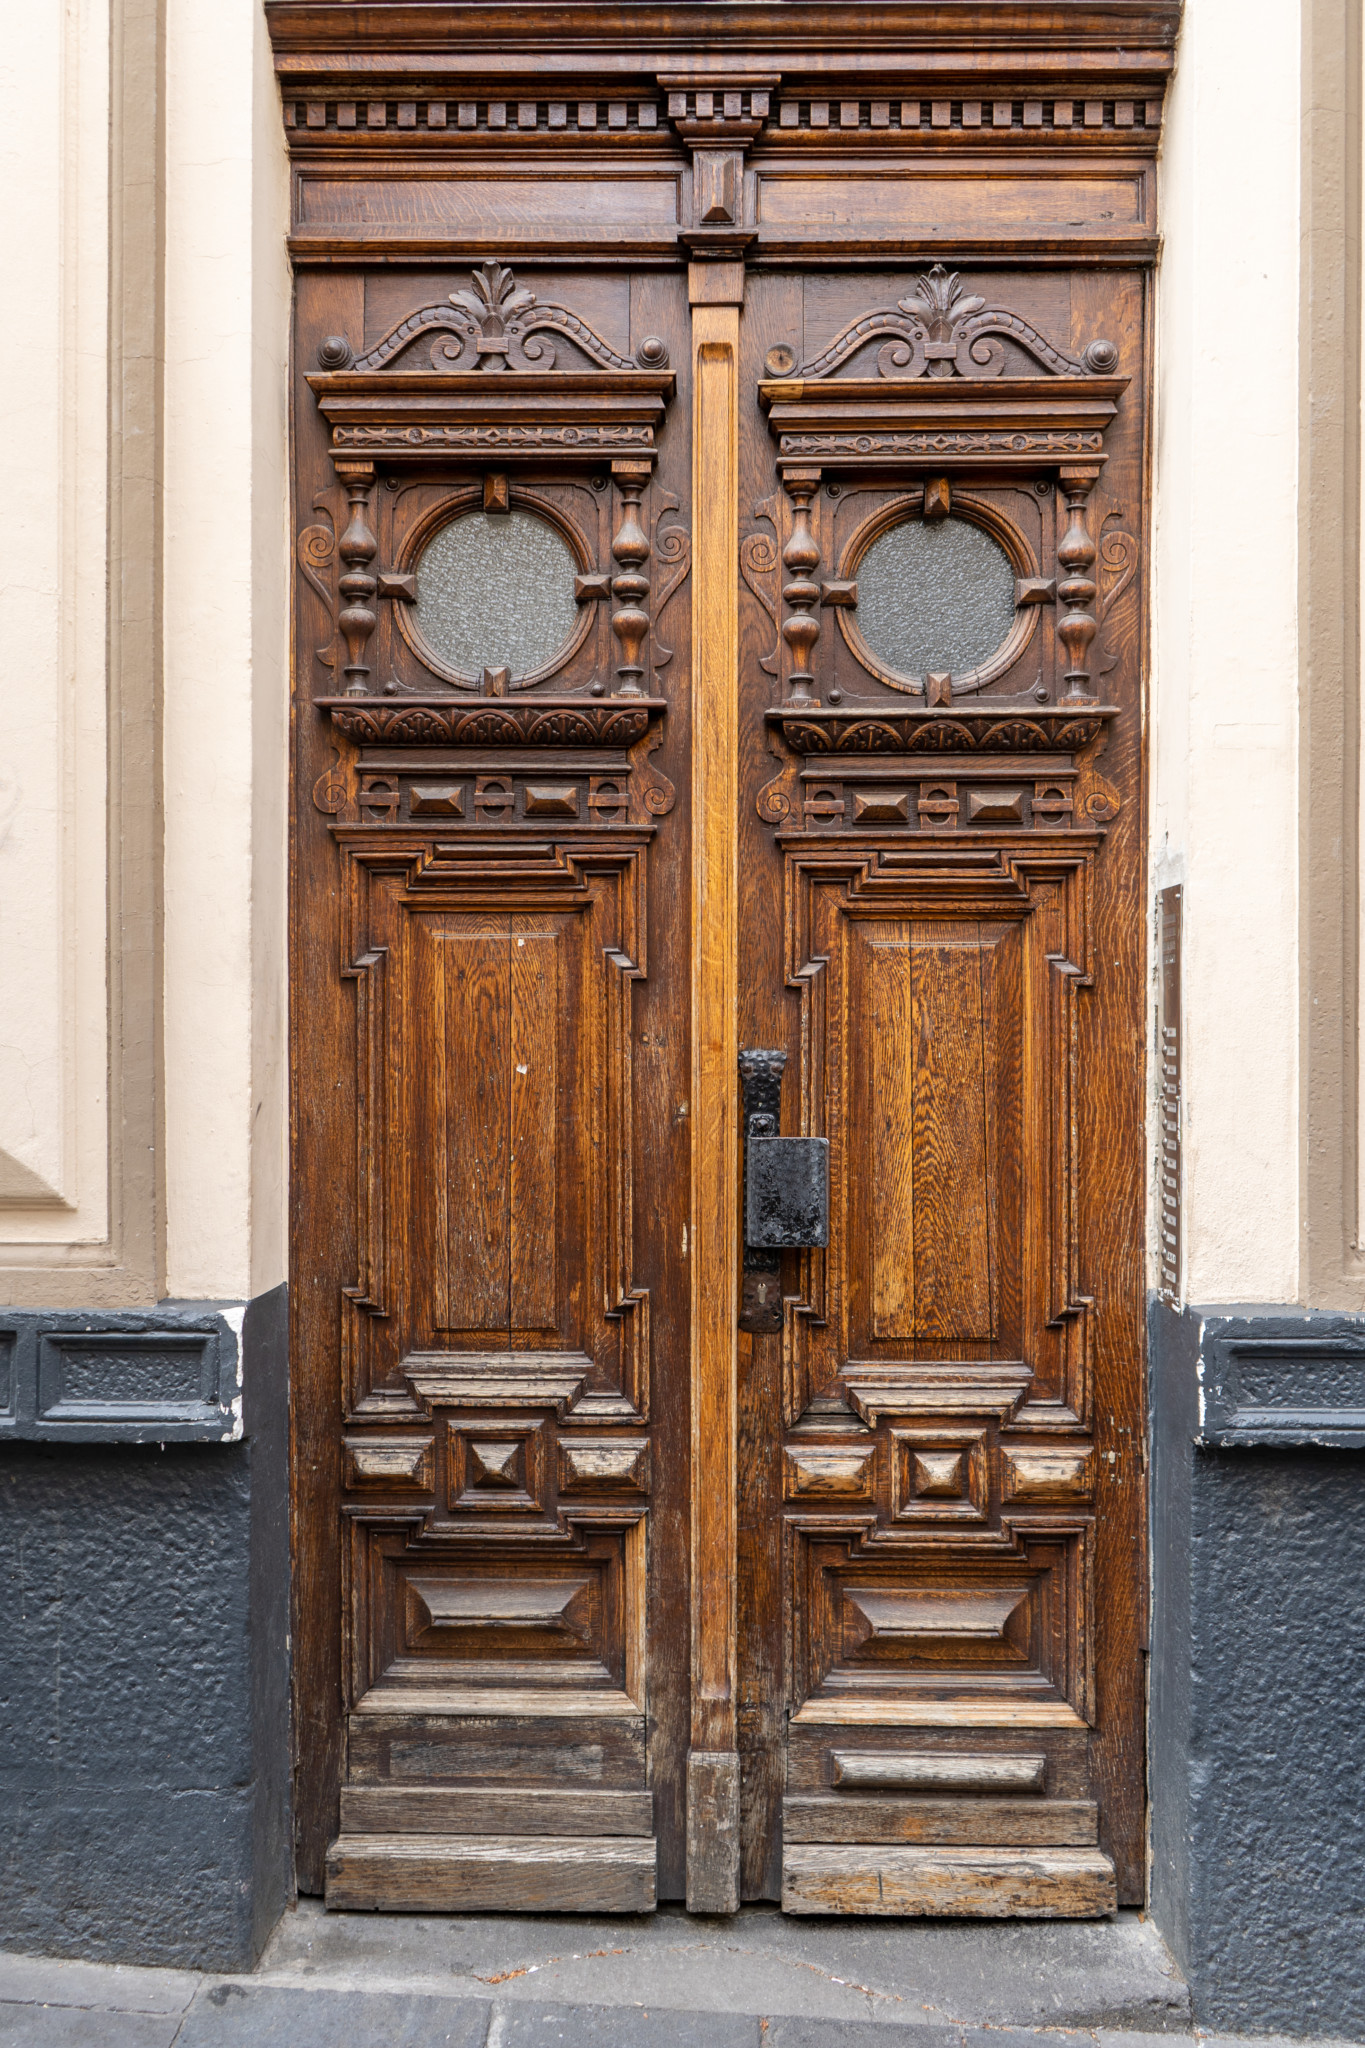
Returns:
(947, 1623)
(1284, 1390)
(129, 1377)
(939, 1771)
(891, 992)
(503, 1622)
(477, 1063)
(534, 1095)
(413, 207)
(933, 1136)
(465, 1810)
(1015, 1820)
(1000, 205)
(951, 1142)
(583, 1752)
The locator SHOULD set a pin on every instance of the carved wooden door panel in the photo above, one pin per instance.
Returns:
(717, 962)
(942, 956)
(493, 933)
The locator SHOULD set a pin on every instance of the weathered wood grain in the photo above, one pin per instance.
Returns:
(1029, 1884)
(405, 1873)
(980, 1822)
(811, 1751)
(483, 1810)
(713, 1784)
(504, 1747)
(935, 1770)
(550, 1242)
(534, 1117)
(478, 1031)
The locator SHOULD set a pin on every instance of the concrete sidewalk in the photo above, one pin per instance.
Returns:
(358, 1980)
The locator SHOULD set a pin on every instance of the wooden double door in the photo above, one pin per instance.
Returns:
(717, 1022)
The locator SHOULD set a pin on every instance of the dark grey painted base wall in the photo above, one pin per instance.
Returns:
(144, 1600)
(144, 1739)
(1258, 1670)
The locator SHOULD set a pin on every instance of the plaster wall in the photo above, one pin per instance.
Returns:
(54, 168)
(1225, 617)
(145, 1752)
(226, 674)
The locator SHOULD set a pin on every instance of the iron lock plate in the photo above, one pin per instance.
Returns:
(786, 1190)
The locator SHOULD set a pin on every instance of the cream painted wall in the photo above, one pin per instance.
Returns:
(225, 732)
(78, 84)
(1223, 701)
(54, 116)
(1224, 689)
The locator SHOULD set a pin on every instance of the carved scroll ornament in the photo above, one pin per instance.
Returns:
(942, 331)
(497, 326)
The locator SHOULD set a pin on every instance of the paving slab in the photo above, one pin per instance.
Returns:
(46, 1980)
(234, 2015)
(793, 2031)
(615, 2026)
(71, 2026)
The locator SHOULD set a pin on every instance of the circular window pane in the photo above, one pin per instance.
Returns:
(935, 596)
(495, 590)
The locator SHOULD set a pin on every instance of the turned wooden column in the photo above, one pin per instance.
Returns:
(801, 559)
(630, 586)
(1076, 586)
(357, 584)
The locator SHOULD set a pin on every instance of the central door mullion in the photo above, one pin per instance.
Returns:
(716, 290)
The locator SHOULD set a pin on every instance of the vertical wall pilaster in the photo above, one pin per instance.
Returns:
(713, 1762)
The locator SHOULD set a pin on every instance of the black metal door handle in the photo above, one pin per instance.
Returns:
(786, 1190)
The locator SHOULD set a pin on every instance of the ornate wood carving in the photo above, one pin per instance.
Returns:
(801, 559)
(489, 386)
(451, 721)
(1118, 564)
(1076, 587)
(895, 1531)
(940, 330)
(952, 387)
(494, 327)
(630, 586)
(317, 550)
(759, 565)
(356, 585)
(672, 549)
(717, 122)
(893, 729)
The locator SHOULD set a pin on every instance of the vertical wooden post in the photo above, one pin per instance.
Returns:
(630, 586)
(801, 558)
(357, 584)
(1076, 589)
(716, 290)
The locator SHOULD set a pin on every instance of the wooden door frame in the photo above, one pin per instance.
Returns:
(374, 99)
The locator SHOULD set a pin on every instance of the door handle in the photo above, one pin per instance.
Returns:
(786, 1190)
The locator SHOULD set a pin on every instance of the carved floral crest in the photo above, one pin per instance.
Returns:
(497, 326)
(943, 331)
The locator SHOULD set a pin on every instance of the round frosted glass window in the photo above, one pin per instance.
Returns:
(495, 590)
(935, 597)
